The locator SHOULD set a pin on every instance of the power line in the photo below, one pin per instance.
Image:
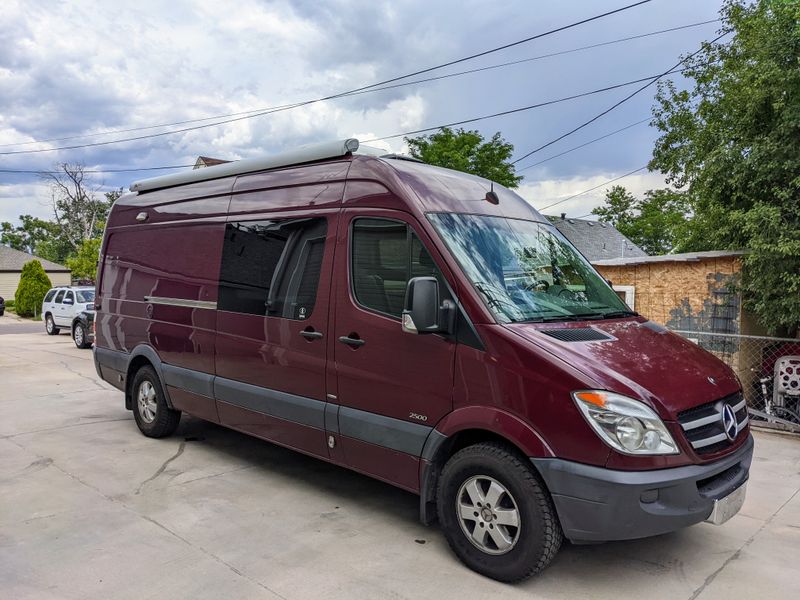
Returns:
(592, 189)
(511, 111)
(616, 104)
(414, 82)
(349, 92)
(405, 133)
(597, 139)
(98, 171)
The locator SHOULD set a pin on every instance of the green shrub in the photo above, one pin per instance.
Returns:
(33, 285)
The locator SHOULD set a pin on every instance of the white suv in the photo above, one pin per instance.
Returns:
(62, 304)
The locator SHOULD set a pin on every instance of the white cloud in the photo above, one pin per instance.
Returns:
(78, 67)
(543, 193)
(24, 199)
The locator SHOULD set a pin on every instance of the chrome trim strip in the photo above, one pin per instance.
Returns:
(181, 302)
(709, 440)
(739, 406)
(701, 421)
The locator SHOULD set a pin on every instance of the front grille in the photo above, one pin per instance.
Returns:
(703, 425)
(577, 334)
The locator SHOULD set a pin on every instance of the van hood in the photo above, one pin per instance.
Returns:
(640, 359)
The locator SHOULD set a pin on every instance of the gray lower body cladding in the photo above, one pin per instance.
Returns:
(596, 504)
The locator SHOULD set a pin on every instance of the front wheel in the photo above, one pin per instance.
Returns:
(79, 336)
(153, 415)
(50, 326)
(496, 515)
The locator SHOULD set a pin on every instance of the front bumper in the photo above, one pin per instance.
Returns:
(596, 504)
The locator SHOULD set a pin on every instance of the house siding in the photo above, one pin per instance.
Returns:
(9, 281)
(692, 295)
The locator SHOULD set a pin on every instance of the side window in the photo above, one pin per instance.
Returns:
(59, 296)
(272, 268)
(385, 255)
(69, 297)
(49, 296)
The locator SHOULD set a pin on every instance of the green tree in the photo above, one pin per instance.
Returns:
(731, 142)
(467, 151)
(656, 223)
(36, 236)
(29, 235)
(618, 209)
(33, 285)
(83, 263)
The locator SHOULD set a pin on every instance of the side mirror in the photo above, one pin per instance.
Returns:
(423, 312)
(68, 301)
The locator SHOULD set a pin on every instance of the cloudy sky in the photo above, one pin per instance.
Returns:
(83, 68)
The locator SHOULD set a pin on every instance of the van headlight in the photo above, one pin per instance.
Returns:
(626, 425)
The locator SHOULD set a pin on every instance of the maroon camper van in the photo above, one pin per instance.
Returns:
(424, 327)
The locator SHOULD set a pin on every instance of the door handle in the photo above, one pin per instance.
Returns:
(355, 342)
(310, 334)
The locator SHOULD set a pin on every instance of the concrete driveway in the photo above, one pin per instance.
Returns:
(89, 508)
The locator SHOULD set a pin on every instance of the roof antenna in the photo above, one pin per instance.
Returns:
(491, 195)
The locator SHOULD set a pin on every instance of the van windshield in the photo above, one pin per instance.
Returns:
(527, 271)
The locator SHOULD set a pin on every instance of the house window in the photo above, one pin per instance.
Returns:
(627, 294)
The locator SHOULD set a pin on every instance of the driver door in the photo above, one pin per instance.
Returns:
(391, 387)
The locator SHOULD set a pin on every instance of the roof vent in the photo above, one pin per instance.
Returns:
(577, 334)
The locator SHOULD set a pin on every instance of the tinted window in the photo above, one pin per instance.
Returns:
(59, 296)
(49, 295)
(385, 255)
(85, 295)
(272, 268)
(70, 296)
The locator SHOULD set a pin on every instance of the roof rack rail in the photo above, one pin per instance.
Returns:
(250, 165)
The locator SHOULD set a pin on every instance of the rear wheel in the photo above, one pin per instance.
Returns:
(150, 410)
(496, 515)
(50, 326)
(79, 336)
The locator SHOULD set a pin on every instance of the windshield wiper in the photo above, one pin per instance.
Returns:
(619, 313)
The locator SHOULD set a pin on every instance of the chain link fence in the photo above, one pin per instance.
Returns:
(769, 369)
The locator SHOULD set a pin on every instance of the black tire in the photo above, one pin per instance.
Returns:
(538, 536)
(80, 337)
(50, 326)
(164, 420)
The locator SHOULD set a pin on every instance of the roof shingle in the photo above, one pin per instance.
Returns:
(14, 260)
(596, 240)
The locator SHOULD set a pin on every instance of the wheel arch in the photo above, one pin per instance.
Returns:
(465, 427)
(141, 356)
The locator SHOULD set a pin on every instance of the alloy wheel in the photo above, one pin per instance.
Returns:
(488, 514)
(147, 402)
